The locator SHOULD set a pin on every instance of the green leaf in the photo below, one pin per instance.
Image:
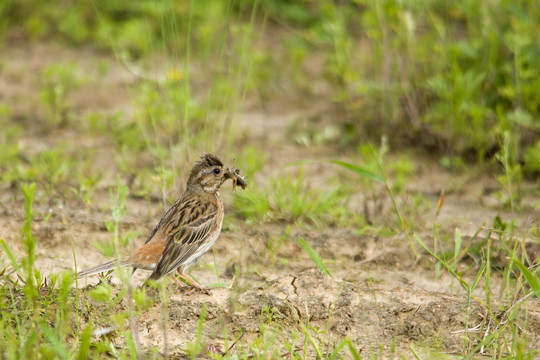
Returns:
(313, 255)
(532, 279)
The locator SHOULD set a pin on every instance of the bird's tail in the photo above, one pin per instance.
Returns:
(104, 267)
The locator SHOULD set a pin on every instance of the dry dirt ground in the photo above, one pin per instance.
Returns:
(380, 294)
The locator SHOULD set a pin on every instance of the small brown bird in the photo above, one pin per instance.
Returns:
(187, 230)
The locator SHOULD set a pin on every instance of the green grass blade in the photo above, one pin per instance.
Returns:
(357, 169)
(54, 340)
(457, 247)
(413, 350)
(309, 338)
(337, 349)
(443, 263)
(198, 345)
(132, 348)
(84, 349)
(354, 352)
(533, 281)
(478, 275)
(354, 168)
(10, 256)
(313, 255)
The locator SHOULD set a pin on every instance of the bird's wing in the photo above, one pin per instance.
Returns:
(179, 211)
(186, 232)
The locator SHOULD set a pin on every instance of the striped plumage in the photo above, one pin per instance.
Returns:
(187, 230)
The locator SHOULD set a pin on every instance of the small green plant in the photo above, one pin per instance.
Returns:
(374, 172)
(273, 244)
(56, 171)
(120, 241)
(195, 348)
(504, 312)
(291, 200)
(310, 133)
(88, 184)
(313, 256)
(57, 83)
(9, 148)
(253, 204)
(29, 242)
(251, 161)
(50, 169)
(166, 178)
(510, 180)
(38, 315)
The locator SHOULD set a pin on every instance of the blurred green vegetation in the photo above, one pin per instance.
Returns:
(449, 77)
(453, 78)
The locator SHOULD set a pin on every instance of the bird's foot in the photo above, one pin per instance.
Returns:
(194, 283)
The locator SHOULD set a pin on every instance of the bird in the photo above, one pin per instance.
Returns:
(187, 230)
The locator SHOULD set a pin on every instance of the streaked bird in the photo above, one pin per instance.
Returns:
(187, 230)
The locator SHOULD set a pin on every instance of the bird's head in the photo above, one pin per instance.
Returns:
(208, 175)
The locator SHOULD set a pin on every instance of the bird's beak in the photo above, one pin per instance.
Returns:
(234, 175)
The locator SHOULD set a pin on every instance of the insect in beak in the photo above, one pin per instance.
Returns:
(236, 178)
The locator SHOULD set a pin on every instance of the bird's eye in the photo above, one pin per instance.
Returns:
(216, 171)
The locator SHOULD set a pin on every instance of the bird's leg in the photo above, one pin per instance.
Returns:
(193, 282)
(178, 282)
